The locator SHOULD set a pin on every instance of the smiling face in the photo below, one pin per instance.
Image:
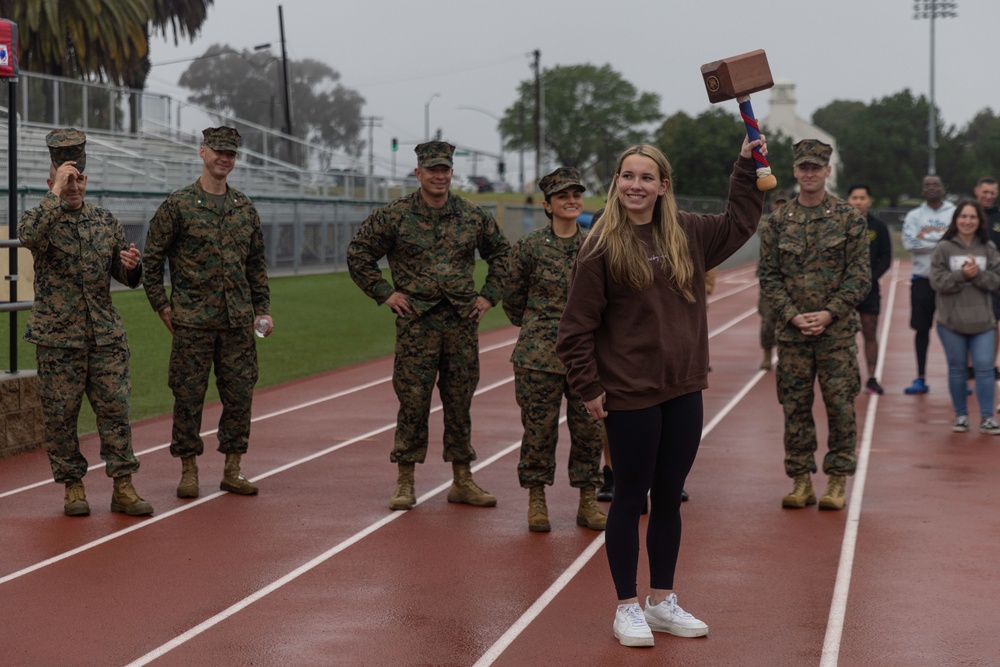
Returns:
(566, 204)
(811, 177)
(218, 164)
(640, 185)
(74, 191)
(434, 181)
(967, 222)
(986, 194)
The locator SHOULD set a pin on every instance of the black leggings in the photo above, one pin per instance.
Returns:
(652, 450)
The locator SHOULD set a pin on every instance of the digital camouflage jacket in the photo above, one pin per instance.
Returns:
(218, 274)
(75, 257)
(432, 253)
(814, 259)
(540, 267)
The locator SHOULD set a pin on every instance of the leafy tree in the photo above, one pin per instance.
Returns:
(182, 18)
(885, 144)
(702, 150)
(590, 115)
(94, 39)
(248, 85)
(979, 143)
(106, 40)
(839, 115)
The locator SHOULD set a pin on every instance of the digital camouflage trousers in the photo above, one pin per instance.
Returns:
(233, 353)
(441, 344)
(539, 395)
(834, 362)
(102, 373)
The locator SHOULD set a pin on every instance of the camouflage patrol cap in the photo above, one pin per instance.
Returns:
(67, 145)
(559, 180)
(221, 138)
(433, 153)
(812, 151)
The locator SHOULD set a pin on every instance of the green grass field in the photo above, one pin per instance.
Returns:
(321, 322)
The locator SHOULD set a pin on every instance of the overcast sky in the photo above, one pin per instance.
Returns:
(397, 54)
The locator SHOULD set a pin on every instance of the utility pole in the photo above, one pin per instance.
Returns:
(284, 77)
(538, 113)
(520, 154)
(371, 122)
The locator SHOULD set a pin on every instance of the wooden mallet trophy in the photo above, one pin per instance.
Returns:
(735, 78)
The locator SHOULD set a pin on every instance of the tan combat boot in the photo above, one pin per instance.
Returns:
(126, 499)
(765, 362)
(590, 514)
(538, 512)
(405, 497)
(833, 497)
(233, 480)
(464, 490)
(188, 488)
(802, 493)
(75, 503)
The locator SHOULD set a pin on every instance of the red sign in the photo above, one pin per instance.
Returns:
(8, 49)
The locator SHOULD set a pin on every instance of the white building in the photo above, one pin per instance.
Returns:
(781, 116)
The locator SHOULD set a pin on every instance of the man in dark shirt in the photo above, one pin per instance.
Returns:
(860, 197)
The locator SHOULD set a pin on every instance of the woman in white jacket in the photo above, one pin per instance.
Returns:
(965, 269)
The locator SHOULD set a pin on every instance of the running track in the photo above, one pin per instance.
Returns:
(317, 571)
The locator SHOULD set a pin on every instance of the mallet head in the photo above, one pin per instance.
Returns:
(735, 77)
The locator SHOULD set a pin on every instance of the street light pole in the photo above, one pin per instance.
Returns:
(499, 132)
(933, 9)
(427, 117)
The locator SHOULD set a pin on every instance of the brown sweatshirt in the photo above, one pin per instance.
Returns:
(645, 348)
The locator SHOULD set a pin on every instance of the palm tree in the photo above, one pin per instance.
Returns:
(79, 38)
(106, 40)
(183, 18)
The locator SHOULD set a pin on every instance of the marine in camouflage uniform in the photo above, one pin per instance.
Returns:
(430, 238)
(81, 346)
(211, 235)
(815, 269)
(540, 267)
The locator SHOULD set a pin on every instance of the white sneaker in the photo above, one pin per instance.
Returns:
(630, 626)
(669, 617)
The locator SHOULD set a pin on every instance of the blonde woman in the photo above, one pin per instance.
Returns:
(634, 339)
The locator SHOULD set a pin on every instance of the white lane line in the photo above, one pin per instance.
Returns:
(494, 651)
(723, 295)
(269, 415)
(209, 623)
(842, 586)
(511, 634)
(535, 610)
(190, 505)
(731, 323)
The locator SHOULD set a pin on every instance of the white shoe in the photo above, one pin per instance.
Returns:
(630, 626)
(669, 617)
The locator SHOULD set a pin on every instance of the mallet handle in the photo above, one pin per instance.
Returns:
(765, 180)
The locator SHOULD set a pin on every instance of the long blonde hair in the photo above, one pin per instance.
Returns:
(627, 256)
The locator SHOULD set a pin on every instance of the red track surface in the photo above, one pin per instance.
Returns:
(317, 571)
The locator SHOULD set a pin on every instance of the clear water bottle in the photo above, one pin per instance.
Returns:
(262, 327)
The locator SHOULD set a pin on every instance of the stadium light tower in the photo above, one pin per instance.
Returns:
(933, 10)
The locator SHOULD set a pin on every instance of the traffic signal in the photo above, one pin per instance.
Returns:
(501, 167)
(395, 144)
